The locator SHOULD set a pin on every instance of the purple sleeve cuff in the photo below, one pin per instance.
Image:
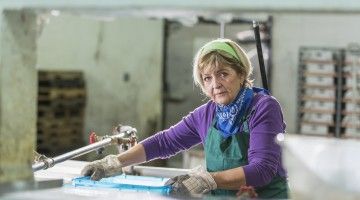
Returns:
(251, 176)
(149, 152)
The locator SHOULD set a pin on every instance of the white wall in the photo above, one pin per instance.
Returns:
(292, 31)
(105, 51)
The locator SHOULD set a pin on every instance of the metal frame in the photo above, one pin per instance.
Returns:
(339, 92)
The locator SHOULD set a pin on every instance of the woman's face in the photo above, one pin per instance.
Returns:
(221, 83)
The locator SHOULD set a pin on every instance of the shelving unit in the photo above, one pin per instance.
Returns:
(318, 86)
(329, 92)
(350, 115)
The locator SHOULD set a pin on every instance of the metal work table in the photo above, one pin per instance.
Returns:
(70, 169)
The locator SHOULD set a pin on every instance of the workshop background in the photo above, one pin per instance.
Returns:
(138, 71)
(68, 68)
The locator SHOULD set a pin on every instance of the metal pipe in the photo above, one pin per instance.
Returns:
(260, 55)
(222, 29)
(124, 139)
(50, 162)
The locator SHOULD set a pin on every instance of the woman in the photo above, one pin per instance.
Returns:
(237, 128)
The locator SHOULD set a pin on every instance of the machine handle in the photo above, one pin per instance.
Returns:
(92, 137)
(260, 55)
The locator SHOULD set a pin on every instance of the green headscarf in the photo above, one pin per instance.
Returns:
(219, 46)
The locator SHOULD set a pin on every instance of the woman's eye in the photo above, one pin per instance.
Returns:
(206, 79)
(223, 75)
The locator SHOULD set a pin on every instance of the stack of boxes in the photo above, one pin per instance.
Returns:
(317, 91)
(61, 106)
(351, 101)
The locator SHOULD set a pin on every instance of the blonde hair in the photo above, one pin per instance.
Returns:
(216, 57)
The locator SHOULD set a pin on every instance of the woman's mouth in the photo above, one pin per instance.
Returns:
(220, 94)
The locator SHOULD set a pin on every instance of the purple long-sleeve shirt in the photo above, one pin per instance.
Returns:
(264, 154)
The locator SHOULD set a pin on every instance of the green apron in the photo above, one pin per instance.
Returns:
(227, 153)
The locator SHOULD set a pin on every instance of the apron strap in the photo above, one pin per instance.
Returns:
(245, 122)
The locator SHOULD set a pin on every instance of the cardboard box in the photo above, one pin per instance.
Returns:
(314, 129)
(316, 92)
(318, 54)
(319, 105)
(320, 68)
(318, 117)
(319, 80)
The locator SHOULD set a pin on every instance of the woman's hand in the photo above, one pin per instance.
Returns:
(197, 181)
(108, 166)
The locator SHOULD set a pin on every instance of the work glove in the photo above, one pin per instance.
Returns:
(197, 181)
(108, 166)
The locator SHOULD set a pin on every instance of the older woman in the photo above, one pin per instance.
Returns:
(237, 128)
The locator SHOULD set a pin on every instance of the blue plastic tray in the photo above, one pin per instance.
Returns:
(126, 182)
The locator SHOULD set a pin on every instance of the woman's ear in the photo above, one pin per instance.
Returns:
(243, 80)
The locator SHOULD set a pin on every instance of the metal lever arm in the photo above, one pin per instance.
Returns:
(260, 55)
(127, 138)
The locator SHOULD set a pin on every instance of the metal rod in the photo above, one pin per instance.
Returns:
(222, 29)
(49, 162)
(260, 55)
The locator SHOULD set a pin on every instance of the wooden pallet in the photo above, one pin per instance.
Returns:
(61, 93)
(61, 108)
(61, 79)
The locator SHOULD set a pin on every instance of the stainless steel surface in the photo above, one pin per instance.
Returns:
(16, 186)
(30, 185)
(70, 169)
(72, 193)
(321, 167)
(66, 170)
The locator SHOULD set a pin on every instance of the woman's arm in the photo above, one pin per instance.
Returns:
(134, 155)
(231, 179)
(189, 131)
(163, 144)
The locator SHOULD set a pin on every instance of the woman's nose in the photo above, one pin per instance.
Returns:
(216, 83)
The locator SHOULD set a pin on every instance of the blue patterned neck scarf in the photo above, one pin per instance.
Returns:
(228, 116)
